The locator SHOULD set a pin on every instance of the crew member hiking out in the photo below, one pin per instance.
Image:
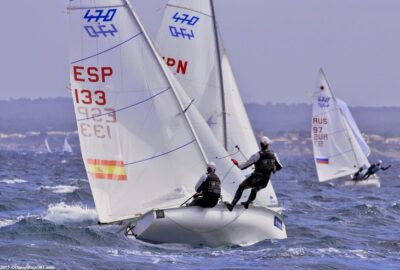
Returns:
(358, 175)
(374, 168)
(265, 163)
(208, 189)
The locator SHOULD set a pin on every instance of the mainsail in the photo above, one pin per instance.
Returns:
(142, 142)
(190, 47)
(339, 149)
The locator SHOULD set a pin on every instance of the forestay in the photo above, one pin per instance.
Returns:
(140, 149)
(187, 41)
(337, 152)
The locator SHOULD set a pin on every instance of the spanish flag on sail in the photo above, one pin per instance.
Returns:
(107, 169)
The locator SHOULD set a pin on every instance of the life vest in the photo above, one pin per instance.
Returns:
(266, 162)
(212, 185)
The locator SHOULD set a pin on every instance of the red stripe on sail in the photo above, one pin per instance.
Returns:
(119, 177)
(105, 162)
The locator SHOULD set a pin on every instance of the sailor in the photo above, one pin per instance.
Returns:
(358, 175)
(374, 168)
(265, 162)
(208, 188)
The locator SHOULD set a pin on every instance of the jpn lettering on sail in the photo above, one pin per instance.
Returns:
(336, 150)
(182, 56)
(186, 32)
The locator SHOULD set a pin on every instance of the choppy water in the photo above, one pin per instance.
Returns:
(47, 217)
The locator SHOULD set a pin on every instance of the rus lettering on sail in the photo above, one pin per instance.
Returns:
(319, 121)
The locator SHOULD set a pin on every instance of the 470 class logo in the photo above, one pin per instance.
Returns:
(96, 29)
(183, 32)
(323, 102)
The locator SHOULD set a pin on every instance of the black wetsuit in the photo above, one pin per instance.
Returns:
(357, 176)
(374, 168)
(264, 167)
(211, 191)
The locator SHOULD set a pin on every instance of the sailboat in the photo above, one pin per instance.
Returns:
(191, 46)
(143, 143)
(339, 147)
(46, 143)
(67, 147)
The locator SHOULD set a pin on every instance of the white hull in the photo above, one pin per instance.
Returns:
(372, 181)
(213, 227)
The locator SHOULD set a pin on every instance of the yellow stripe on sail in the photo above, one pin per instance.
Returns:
(119, 170)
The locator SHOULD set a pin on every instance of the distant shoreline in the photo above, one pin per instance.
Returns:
(57, 114)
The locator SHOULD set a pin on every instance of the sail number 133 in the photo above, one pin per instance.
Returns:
(88, 97)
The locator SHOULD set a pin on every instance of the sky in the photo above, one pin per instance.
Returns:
(276, 47)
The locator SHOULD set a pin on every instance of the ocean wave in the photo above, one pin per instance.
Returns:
(63, 213)
(328, 252)
(13, 181)
(11, 221)
(7, 222)
(60, 188)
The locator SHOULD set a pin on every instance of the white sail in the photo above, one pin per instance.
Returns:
(139, 136)
(67, 147)
(46, 143)
(337, 152)
(202, 74)
(240, 131)
(356, 131)
(186, 41)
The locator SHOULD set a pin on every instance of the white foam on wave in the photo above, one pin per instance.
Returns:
(11, 221)
(63, 213)
(60, 188)
(13, 181)
(7, 222)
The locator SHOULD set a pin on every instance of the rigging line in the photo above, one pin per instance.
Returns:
(127, 107)
(87, 7)
(221, 79)
(97, 54)
(160, 155)
(187, 108)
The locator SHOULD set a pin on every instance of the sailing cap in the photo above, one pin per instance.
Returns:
(212, 166)
(265, 140)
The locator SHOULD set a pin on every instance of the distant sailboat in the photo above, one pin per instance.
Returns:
(190, 44)
(142, 142)
(67, 147)
(339, 147)
(46, 143)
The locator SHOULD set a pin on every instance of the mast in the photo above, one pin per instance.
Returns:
(169, 81)
(221, 81)
(342, 118)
